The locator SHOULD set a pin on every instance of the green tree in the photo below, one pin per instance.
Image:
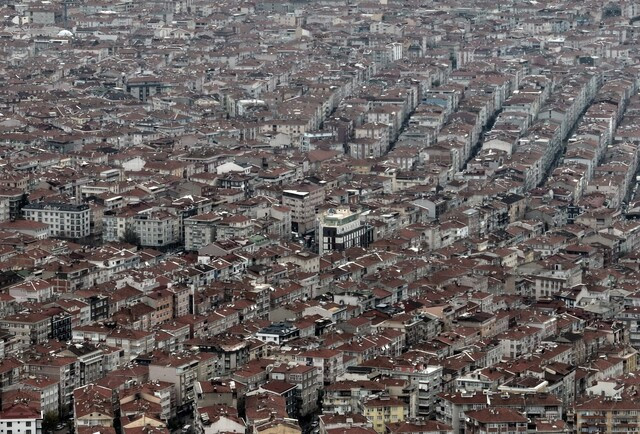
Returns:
(49, 422)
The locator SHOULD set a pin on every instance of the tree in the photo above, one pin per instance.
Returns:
(131, 237)
(50, 421)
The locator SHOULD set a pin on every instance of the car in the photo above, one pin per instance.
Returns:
(60, 426)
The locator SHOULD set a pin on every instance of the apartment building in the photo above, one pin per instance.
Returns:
(200, 230)
(305, 379)
(607, 414)
(30, 329)
(20, 418)
(158, 228)
(64, 370)
(180, 370)
(65, 220)
(303, 199)
(384, 410)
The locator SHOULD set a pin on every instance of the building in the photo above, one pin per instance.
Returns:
(156, 399)
(304, 200)
(495, 420)
(419, 427)
(118, 222)
(90, 361)
(63, 370)
(93, 406)
(20, 418)
(278, 333)
(284, 389)
(200, 231)
(329, 362)
(219, 419)
(341, 228)
(631, 318)
(232, 351)
(180, 370)
(607, 414)
(65, 220)
(384, 410)
(32, 291)
(28, 227)
(158, 228)
(429, 381)
(305, 379)
(47, 388)
(31, 328)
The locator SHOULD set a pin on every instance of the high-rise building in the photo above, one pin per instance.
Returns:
(304, 200)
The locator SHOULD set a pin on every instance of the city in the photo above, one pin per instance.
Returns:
(327, 217)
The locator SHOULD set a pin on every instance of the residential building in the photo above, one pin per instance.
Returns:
(64, 220)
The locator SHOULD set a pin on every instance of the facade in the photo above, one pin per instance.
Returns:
(157, 228)
(30, 329)
(607, 414)
(340, 229)
(20, 418)
(200, 231)
(384, 410)
(64, 220)
(182, 372)
(303, 200)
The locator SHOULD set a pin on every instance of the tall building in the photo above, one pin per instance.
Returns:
(341, 228)
(304, 200)
(65, 220)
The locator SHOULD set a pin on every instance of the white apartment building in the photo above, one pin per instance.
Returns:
(157, 228)
(65, 220)
(20, 419)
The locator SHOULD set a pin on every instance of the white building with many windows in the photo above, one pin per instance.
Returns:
(157, 228)
(65, 220)
(20, 418)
